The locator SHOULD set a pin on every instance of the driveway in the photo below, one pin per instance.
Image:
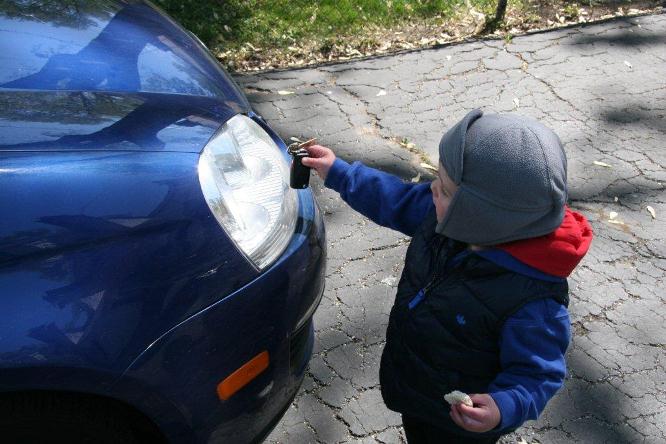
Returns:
(602, 88)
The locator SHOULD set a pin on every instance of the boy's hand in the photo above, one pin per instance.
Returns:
(482, 417)
(321, 159)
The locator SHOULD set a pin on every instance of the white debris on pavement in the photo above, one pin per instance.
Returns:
(390, 281)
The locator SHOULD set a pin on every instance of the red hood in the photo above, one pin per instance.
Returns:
(556, 253)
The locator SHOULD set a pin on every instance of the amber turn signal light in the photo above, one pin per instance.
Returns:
(241, 377)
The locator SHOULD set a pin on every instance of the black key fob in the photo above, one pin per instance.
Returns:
(299, 176)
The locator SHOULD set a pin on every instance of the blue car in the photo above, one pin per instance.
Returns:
(158, 276)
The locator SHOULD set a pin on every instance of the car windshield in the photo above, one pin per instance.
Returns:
(101, 45)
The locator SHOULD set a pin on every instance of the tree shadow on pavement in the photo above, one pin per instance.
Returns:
(634, 114)
(623, 37)
(589, 398)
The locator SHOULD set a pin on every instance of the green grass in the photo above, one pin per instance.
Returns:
(264, 34)
(228, 24)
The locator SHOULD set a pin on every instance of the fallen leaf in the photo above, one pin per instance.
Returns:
(381, 93)
(601, 164)
(427, 166)
(612, 215)
(651, 211)
(628, 64)
(285, 93)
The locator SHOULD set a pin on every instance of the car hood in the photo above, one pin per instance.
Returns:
(68, 120)
(127, 46)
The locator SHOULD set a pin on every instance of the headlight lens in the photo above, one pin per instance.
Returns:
(245, 180)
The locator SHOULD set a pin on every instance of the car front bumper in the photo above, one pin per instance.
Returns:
(174, 381)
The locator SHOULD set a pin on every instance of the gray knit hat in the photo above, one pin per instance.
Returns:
(511, 173)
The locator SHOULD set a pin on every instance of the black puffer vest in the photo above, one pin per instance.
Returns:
(449, 340)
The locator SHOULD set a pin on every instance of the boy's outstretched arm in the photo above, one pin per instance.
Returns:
(382, 197)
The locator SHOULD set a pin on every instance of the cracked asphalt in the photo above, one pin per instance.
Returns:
(602, 88)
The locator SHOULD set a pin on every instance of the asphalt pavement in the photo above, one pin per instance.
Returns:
(602, 88)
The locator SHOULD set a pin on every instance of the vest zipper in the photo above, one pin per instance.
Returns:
(437, 277)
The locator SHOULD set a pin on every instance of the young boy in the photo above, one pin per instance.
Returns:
(482, 302)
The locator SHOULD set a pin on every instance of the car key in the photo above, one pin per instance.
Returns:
(299, 175)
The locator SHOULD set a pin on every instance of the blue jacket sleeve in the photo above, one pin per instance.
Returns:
(382, 197)
(532, 346)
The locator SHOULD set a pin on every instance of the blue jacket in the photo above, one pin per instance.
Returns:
(533, 340)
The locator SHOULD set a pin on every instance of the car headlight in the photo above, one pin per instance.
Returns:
(244, 177)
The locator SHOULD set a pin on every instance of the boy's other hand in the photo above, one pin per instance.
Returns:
(482, 417)
(320, 159)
